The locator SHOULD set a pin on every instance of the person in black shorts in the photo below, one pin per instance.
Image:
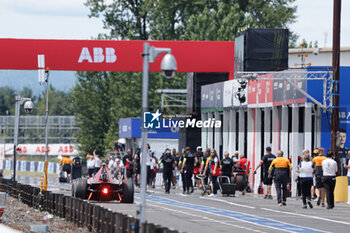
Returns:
(128, 163)
(168, 161)
(137, 166)
(187, 169)
(206, 155)
(266, 162)
(227, 166)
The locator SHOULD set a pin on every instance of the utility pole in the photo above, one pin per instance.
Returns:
(336, 71)
(41, 77)
(46, 129)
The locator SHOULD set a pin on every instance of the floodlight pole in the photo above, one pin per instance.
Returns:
(149, 55)
(336, 72)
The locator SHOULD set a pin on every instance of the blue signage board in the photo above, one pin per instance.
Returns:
(131, 128)
(344, 107)
(168, 129)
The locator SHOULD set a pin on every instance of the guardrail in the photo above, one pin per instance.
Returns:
(78, 211)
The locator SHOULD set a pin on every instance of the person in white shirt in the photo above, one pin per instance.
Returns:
(98, 162)
(330, 169)
(110, 163)
(306, 169)
(150, 166)
(90, 165)
(118, 165)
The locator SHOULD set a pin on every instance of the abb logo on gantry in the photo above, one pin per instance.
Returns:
(99, 55)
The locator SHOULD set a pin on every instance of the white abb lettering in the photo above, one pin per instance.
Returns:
(98, 55)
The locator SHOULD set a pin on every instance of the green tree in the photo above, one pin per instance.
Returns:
(92, 103)
(60, 103)
(99, 109)
(222, 21)
(7, 100)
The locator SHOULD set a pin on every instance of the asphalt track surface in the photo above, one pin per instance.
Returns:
(248, 213)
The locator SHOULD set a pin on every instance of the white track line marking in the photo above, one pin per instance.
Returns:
(242, 220)
(307, 216)
(207, 219)
(230, 203)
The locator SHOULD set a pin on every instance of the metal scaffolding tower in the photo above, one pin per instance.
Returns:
(32, 129)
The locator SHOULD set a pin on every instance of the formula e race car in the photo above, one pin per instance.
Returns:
(104, 187)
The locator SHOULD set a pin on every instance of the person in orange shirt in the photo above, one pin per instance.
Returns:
(320, 190)
(66, 164)
(282, 173)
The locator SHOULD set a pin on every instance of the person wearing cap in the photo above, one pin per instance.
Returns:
(330, 169)
(282, 173)
(320, 190)
(265, 163)
(66, 164)
(315, 153)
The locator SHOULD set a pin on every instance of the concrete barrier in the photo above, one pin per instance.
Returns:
(79, 212)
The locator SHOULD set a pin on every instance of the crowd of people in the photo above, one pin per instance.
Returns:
(186, 167)
(316, 172)
(316, 176)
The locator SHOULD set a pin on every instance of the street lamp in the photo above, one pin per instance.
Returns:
(168, 67)
(28, 107)
(41, 77)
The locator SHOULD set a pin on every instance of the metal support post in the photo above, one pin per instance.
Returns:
(46, 129)
(336, 71)
(15, 141)
(145, 82)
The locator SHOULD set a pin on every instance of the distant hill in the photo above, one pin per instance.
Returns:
(17, 79)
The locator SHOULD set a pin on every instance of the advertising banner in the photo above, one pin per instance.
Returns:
(114, 55)
(212, 98)
(205, 96)
(252, 93)
(219, 94)
(39, 149)
(239, 96)
(265, 90)
(29, 166)
(228, 94)
(32, 166)
(278, 92)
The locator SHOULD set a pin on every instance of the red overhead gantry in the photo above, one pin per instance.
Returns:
(114, 55)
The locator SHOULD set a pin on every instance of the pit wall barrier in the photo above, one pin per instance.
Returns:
(29, 166)
(78, 211)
